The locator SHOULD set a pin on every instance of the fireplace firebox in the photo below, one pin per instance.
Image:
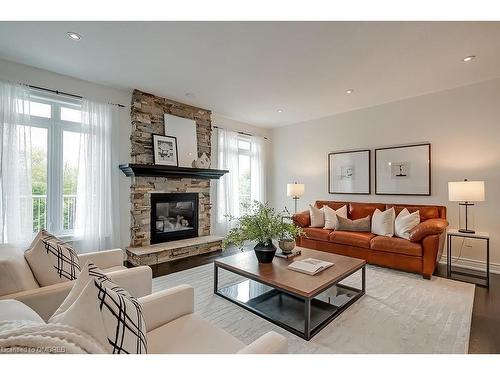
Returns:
(174, 216)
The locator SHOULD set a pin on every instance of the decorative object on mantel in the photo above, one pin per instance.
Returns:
(465, 192)
(349, 172)
(147, 170)
(165, 150)
(202, 162)
(403, 170)
(261, 224)
(184, 129)
(295, 191)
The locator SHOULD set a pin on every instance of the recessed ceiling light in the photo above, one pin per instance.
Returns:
(73, 35)
(468, 58)
(190, 95)
(349, 91)
(280, 111)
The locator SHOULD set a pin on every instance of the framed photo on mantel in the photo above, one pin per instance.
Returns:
(165, 150)
(349, 172)
(403, 170)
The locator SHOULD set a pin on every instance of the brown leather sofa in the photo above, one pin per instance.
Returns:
(420, 254)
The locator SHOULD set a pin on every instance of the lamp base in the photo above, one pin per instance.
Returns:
(470, 231)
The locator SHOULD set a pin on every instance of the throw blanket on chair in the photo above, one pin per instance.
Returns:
(28, 337)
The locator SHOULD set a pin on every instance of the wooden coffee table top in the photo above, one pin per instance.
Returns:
(277, 274)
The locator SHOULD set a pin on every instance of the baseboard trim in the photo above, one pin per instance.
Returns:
(473, 264)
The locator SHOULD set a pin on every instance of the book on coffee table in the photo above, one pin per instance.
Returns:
(310, 266)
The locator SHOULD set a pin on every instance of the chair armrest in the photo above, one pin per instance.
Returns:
(103, 259)
(270, 343)
(44, 300)
(428, 228)
(162, 307)
(302, 219)
(138, 281)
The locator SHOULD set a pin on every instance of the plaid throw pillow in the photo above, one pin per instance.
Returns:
(52, 260)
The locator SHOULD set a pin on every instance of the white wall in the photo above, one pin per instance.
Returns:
(29, 75)
(463, 126)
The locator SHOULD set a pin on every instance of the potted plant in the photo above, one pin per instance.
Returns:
(289, 232)
(261, 224)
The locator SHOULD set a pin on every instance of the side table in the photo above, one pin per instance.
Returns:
(477, 236)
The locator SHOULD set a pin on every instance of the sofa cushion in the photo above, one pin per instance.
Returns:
(15, 274)
(358, 225)
(317, 216)
(190, 334)
(396, 245)
(317, 233)
(426, 212)
(331, 221)
(10, 309)
(361, 210)
(359, 239)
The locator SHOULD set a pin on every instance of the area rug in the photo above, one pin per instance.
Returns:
(400, 313)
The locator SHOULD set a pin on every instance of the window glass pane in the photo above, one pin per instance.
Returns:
(40, 109)
(39, 177)
(243, 145)
(71, 157)
(70, 114)
(244, 180)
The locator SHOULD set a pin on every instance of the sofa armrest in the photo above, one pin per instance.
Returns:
(302, 219)
(428, 228)
(44, 300)
(103, 259)
(162, 307)
(138, 281)
(270, 343)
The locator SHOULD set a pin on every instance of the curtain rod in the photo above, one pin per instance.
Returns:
(240, 132)
(57, 92)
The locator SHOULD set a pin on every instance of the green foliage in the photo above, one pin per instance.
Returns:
(289, 231)
(261, 223)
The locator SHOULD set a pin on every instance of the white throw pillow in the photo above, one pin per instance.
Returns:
(317, 216)
(108, 314)
(51, 260)
(87, 273)
(405, 222)
(331, 221)
(383, 222)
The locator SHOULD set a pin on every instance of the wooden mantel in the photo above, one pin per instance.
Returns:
(148, 170)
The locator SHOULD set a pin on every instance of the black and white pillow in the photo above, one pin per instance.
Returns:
(52, 260)
(105, 311)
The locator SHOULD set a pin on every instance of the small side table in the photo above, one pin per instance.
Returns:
(478, 236)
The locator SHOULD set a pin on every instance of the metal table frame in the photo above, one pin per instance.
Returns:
(308, 332)
(449, 269)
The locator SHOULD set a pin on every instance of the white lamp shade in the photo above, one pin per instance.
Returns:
(466, 191)
(295, 190)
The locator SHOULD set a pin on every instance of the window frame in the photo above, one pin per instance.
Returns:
(55, 127)
(245, 152)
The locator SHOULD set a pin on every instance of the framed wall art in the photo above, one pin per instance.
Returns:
(349, 172)
(165, 150)
(403, 170)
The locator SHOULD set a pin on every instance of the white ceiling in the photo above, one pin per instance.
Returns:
(249, 70)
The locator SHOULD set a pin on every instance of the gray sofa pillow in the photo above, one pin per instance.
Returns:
(359, 225)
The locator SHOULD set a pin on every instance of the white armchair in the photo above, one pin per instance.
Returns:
(173, 327)
(17, 281)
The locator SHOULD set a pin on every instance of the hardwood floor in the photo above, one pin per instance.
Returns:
(485, 330)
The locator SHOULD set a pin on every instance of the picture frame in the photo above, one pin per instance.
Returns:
(403, 170)
(349, 172)
(165, 150)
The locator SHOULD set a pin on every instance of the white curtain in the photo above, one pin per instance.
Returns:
(228, 185)
(257, 169)
(16, 215)
(97, 215)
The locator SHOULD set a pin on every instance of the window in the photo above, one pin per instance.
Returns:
(55, 142)
(244, 175)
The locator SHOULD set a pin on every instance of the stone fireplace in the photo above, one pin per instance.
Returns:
(149, 228)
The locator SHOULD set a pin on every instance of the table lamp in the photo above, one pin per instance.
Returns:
(466, 192)
(295, 191)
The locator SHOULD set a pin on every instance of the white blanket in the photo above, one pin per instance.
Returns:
(29, 337)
